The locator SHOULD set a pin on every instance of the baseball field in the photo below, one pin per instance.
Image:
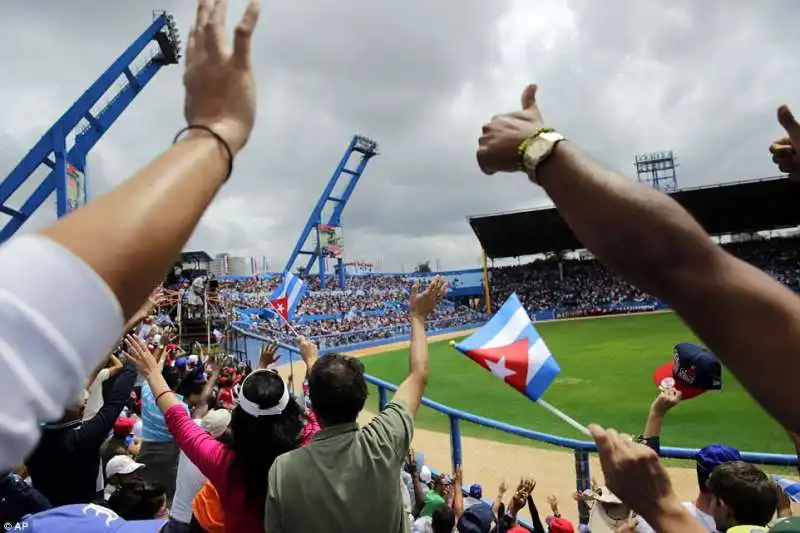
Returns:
(606, 377)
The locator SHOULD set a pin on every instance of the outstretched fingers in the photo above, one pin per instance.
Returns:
(214, 33)
(244, 35)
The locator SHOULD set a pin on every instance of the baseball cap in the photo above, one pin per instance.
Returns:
(123, 425)
(122, 464)
(476, 519)
(425, 474)
(475, 491)
(560, 525)
(180, 362)
(790, 524)
(216, 421)
(693, 371)
(714, 455)
(86, 518)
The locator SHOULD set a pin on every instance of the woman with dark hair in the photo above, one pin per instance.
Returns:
(264, 425)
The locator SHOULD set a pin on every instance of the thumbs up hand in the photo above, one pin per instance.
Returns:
(785, 150)
(502, 135)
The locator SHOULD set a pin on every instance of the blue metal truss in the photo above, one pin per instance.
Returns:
(361, 149)
(52, 150)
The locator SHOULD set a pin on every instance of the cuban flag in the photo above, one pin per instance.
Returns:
(790, 487)
(509, 347)
(287, 295)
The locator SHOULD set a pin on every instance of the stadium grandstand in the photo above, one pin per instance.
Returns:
(755, 220)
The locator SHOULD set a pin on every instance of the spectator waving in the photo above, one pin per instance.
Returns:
(352, 465)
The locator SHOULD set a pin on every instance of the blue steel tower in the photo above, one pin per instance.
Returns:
(330, 206)
(86, 121)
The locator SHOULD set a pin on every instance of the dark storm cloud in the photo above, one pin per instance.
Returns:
(702, 78)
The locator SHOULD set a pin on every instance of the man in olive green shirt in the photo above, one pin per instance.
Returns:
(348, 478)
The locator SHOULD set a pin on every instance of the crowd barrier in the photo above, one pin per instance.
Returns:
(580, 449)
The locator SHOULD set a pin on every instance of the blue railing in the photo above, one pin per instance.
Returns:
(581, 449)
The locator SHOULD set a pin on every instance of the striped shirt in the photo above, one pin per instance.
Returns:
(154, 429)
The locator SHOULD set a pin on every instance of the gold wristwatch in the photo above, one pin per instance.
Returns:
(536, 148)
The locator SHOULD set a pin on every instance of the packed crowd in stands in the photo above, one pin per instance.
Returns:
(108, 425)
(370, 307)
(586, 288)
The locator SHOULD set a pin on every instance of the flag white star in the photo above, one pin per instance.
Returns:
(499, 368)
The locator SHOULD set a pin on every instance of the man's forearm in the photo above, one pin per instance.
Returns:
(641, 233)
(115, 234)
(418, 357)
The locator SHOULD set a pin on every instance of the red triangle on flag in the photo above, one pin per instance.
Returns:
(509, 362)
(281, 306)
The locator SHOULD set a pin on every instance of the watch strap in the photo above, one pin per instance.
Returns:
(523, 146)
(535, 154)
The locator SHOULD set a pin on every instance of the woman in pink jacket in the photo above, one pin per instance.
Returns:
(265, 424)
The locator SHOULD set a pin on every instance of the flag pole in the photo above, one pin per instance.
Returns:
(558, 412)
(563, 416)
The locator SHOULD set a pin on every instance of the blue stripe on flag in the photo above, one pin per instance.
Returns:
(510, 324)
(542, 379)
(481, 338)
(790, 487)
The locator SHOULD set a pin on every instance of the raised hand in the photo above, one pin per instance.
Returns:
(422, 305)
(668, 398)
(220, 85)
(502, 135)
(140, 356)
(786, 150)
(308, 351)
(269, 354)
(411, 461)
(634, 473)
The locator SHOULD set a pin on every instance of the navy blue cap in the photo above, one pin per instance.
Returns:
(714, 455)
(477, 518)
(475, 491)
(693, 371)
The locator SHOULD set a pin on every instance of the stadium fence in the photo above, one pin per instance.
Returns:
(580, 449)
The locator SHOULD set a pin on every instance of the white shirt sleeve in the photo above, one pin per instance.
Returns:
(58, 319)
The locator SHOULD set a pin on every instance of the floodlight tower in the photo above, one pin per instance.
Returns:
(360, 149)
(85, 122)
(657, 169)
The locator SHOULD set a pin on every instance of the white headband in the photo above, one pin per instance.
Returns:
(252, 408)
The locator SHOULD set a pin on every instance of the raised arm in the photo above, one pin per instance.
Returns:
(739, 311)
(199, 446)
(420, 306)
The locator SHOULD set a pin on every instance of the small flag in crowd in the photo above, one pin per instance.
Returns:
(287, 295)
(509, 347)
(790, 487)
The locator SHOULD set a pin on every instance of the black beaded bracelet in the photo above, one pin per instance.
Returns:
(214, 134)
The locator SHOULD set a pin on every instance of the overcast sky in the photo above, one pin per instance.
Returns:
(702, 78)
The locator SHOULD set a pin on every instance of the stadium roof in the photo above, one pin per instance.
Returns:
(747, 206)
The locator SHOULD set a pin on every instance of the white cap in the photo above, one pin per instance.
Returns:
(216, 421)
(122, 464)
(425, 474)
(606, 496)
(193, 359)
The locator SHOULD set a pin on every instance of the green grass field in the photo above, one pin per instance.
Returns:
(606, 377)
